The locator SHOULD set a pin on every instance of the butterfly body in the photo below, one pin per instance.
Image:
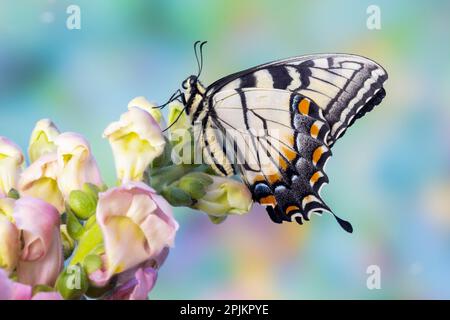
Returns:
(275, 124)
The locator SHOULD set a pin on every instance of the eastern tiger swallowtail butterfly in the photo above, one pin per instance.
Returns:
(286, 115)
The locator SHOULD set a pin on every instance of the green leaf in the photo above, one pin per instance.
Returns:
(92, 263)
(90, 222)
(89, 243)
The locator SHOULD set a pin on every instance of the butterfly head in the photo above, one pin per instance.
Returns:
(193, 92)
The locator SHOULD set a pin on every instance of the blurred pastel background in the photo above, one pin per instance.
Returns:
(390, 174)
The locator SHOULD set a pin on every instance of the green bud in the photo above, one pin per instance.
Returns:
(74, 227)
(92, 263)
(217, 220)
(176, 196)
(83, 204)
(195, 184)
(67, 242)
(91, 189)
(72, 283)
(14, 194)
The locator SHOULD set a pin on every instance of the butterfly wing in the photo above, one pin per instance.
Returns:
(344, 86)
(276, 140)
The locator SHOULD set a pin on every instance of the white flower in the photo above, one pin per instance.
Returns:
(11, 160)
(136, 140)
(42, 140)
(76, 165)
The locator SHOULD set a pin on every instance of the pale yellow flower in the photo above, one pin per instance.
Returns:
(136, 140)
(42, 140)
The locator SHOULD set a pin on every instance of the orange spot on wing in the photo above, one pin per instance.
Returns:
(268, 200)
(316, 176)
(315, 130)
(259, 178)
(283, 163)
(292, 208)
(317, 154)
(270, 178)
(273, 178)
(303, 106)
(288, 152)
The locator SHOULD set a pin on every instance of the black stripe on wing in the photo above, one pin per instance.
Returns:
(342, 85)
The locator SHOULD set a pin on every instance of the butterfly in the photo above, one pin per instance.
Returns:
(275, 124)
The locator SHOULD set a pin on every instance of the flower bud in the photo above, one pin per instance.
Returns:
(225, 196)
(195, 184)
(177, 197)
(82, 204)
(73, 282)
(74, 227)
(42, 140)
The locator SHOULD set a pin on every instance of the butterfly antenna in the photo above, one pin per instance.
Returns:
(175, 96)
(196, 43)
(201, 58)
(175, 121)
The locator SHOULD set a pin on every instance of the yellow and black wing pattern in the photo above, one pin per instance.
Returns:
(275, 125)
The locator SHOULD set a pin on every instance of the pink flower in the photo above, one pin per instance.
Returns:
(10, 290)
(41, 258)
(137, 226)
(135, 288)
(76, 165)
